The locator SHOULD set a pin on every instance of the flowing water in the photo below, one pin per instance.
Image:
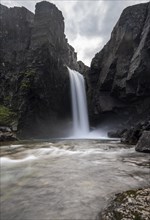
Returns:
(67, 179)
(79, 105)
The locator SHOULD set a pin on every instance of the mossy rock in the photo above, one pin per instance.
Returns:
(132, 204)
(6, 116)
(27, 80)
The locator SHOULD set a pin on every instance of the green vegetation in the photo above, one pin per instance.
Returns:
(26, 82)
(6, 116)
(117, 215)
(7, 100)
(137, 216)
(30, 73)
(121, 197)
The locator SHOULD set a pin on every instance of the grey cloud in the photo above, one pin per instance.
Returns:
(88, 24)
(85, 18)
(71, 29)
(88, 19)
(90, 53)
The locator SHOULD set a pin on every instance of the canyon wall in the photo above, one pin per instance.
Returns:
(119, 76)
(34, 53)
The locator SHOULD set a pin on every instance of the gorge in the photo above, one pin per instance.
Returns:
(35, 80)
(62, 165)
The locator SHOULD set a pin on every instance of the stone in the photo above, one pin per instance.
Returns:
(5, 129)
(143, 144)
(82, 68)
(7, 136)
(116, 134)
(34, 79)
(121, 69)
(133, 134)
(132, 204)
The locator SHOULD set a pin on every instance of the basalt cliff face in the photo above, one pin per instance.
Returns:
(119, 76)
(34, 81)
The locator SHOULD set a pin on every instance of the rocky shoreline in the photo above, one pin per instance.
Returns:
(129, 205)
(7, 134)
(138, 134)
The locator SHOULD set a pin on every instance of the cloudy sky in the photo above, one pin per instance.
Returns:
(88, 23)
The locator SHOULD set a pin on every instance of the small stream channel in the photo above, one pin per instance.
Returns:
(67, 179)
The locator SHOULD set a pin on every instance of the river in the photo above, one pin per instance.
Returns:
(67, 179)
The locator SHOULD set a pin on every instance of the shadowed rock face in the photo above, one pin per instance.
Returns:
(119, 77)
(143, 144)
(34, 78)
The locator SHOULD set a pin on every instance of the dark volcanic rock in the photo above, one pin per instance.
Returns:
(49, 29)
(131, 134)
(6, 134)
(143, 144)
(82, 68)
(119, 76)
(33, 73)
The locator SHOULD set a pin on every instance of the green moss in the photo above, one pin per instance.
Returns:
(137, 216)
(131, 193)
(30, 73)
(7, 100)
(117, 215)
(26, 82)
(120, 198)
(6, 116)
(25, 85)
(123, 196)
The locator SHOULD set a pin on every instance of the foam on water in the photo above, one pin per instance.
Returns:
(6, 160)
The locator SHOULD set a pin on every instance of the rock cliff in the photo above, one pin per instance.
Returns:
(119, 76)
(33, 74)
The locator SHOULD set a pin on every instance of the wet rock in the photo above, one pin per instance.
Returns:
(116, 134)
(143, 144)
(133, 204)
(5, 129)
(7, 136)
(132, 135)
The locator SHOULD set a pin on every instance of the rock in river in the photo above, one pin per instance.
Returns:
(143, 144)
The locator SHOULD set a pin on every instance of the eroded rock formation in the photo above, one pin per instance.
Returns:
(119, 76)
(33, 73)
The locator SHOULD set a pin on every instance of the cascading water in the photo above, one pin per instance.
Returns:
(79, 104)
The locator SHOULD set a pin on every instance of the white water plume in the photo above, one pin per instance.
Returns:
(79, 104)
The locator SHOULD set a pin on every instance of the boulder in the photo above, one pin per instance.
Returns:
(5, 129)
(133, 134)
(116, 134)
(143, 144)
(7, 136)
(132, 204)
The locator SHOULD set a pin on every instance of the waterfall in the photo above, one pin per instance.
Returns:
(79, 104)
